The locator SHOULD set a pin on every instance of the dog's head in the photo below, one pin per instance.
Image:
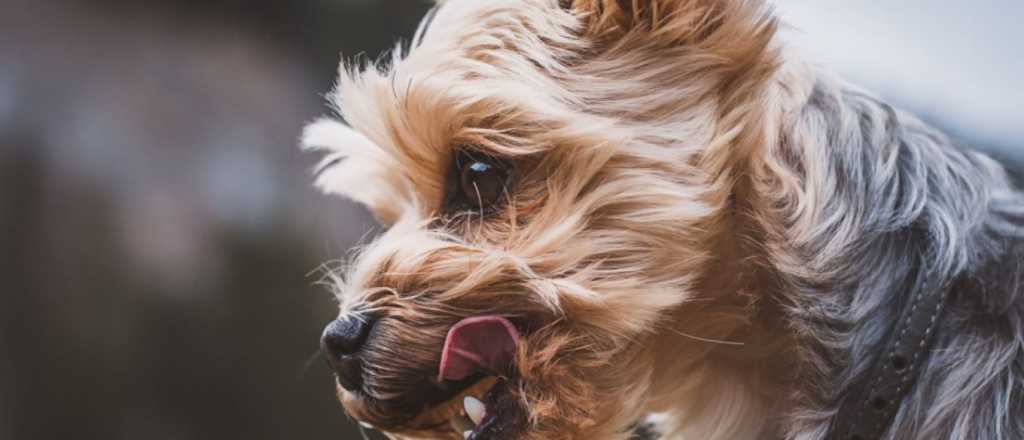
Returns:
(552, 175)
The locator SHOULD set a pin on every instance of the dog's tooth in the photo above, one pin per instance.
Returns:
(366, 425)
(475, 409)
(466, 434)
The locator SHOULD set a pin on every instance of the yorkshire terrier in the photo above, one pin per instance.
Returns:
(650, 219)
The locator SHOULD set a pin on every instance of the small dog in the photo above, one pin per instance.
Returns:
(615, 219)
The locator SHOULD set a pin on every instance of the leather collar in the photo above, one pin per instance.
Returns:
(869, 408)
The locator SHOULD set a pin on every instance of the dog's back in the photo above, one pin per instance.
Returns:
(908, 220)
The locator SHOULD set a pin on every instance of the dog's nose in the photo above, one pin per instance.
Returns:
(341, 341)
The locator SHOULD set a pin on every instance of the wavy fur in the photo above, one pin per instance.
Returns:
(681, 179)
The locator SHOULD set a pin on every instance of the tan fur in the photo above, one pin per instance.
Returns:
(640, 132)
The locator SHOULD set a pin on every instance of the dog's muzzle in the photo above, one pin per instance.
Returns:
(466, 395)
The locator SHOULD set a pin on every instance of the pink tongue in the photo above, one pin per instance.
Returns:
(479, 344)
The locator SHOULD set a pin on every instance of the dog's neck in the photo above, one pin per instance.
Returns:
(835, 221)
(861, 212)
(726, 364)
(733, 365)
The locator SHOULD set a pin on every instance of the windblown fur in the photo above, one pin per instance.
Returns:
(704, 230)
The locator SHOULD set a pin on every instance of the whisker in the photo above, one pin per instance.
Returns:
(309, 364)
(480, 203)
(362, 432)
(708, 340)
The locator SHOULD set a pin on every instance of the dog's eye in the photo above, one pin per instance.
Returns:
(481, 180)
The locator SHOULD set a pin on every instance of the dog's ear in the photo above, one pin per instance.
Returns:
(729, 25)
(728, 45)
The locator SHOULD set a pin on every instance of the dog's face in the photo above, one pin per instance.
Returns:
(552, 176)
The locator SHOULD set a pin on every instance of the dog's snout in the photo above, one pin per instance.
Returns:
(345, 336)
(341, 341)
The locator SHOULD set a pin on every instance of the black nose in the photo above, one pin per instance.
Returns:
(341, 341)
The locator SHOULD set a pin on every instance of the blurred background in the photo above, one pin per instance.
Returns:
(159, 240)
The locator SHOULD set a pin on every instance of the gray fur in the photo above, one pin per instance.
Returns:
(909, 210)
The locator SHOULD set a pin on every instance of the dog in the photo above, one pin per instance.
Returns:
(651, 219)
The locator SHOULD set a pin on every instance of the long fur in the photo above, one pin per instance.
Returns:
(705, 230)
(899, 209)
